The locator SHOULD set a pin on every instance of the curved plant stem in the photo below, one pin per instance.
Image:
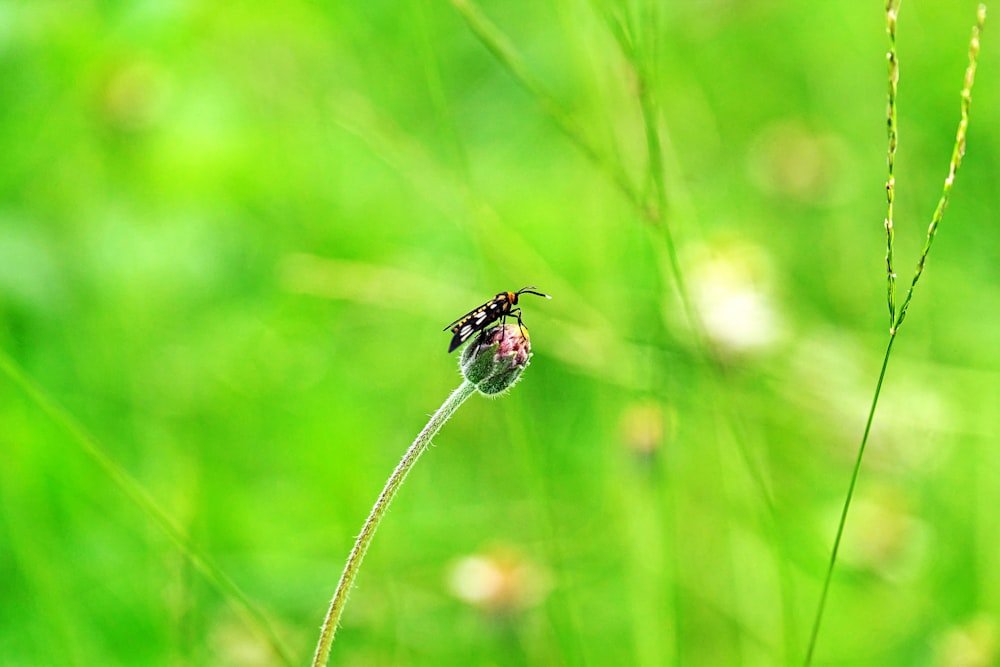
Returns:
(418, 447)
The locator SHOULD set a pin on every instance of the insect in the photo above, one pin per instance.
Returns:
(498, 308)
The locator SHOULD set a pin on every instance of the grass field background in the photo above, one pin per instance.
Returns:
(230, 235)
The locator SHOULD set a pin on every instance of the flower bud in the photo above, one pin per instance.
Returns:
(496, 358)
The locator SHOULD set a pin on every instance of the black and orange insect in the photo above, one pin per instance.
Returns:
(498, 308)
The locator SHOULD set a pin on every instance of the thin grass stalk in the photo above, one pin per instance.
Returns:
(436, 89)
(958, 151)
(642, 57)
(818, 620)
(499, 45)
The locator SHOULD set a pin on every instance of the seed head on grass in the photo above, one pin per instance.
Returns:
(897, 315)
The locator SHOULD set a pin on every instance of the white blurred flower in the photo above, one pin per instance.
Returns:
(730, 286)
(500, 582)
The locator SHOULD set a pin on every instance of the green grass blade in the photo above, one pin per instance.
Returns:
(134, 491)
(503, 50)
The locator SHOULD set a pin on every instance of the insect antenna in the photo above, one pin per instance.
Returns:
(531, 289)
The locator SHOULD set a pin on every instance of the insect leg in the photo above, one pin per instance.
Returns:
(503, 323)
(520, 324)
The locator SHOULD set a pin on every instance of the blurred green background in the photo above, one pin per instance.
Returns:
(230, 235)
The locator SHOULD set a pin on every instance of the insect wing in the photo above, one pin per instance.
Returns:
(462, 334)
(478, 319)
(463, 319)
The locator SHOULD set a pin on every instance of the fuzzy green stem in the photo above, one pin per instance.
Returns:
(418, 447)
